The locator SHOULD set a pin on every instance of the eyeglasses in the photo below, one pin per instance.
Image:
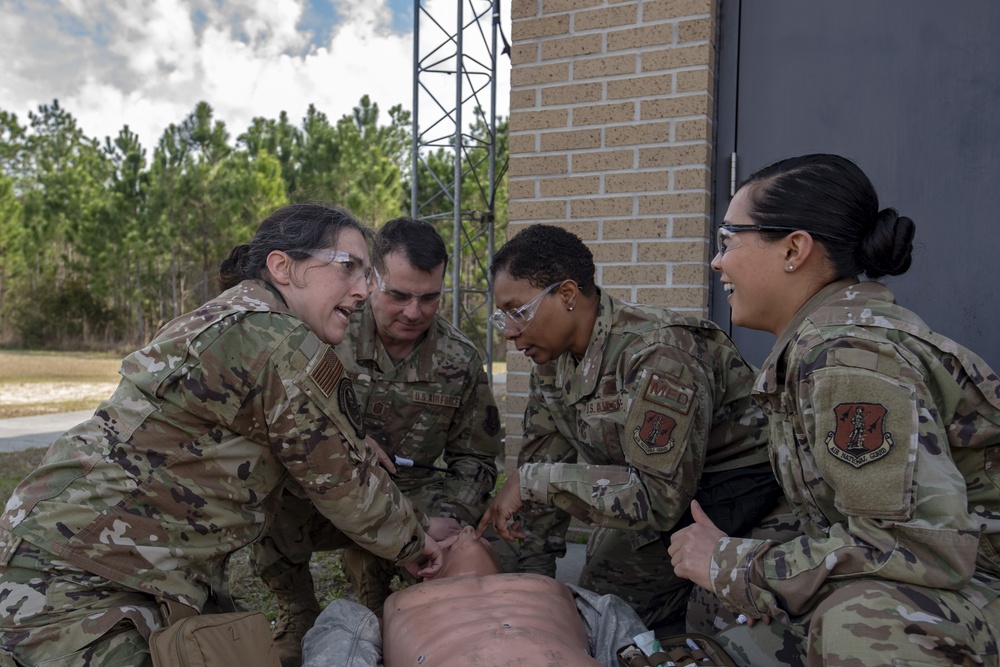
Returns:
(401, 298)
(517, 320)
(353, 267)
(726, 232)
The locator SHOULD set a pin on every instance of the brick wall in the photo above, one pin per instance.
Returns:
(611, 110)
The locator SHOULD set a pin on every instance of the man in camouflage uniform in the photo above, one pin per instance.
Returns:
(172, 474)
(424, 396)
(624, 435)
(886, 438)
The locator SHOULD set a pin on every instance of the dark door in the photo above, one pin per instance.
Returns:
(909, 90)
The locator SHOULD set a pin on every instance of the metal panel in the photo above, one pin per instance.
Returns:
(909, 91)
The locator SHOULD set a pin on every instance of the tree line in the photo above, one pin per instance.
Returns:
(103, 243)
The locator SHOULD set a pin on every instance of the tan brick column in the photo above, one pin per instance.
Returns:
(611, 137)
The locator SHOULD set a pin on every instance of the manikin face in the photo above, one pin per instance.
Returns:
(548, 333)
(469, 556)
(323, 294)
(750, 271)
(402, 325)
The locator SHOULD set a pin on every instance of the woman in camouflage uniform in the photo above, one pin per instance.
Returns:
(884, 435)
(175, 471)
(632, 411)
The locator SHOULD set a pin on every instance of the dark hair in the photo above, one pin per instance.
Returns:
(543, 254)
(292, 229)
(419, 242)
(832, 199)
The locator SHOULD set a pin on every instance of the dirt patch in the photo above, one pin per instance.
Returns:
(29, 393)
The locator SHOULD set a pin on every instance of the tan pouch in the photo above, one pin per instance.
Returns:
(213, 640)
(679, 651)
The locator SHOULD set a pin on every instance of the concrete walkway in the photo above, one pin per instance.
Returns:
(38, 431)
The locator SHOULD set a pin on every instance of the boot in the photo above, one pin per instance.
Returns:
(297, 611)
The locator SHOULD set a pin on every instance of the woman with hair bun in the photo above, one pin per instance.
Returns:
(884, 435)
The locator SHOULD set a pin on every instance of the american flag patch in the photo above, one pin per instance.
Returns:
(327, 372)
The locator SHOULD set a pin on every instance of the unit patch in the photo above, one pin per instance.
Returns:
(436, 399)
(669, 393)
(654, 434)
(860, 436)
(347, 400)
(491, 424)
(327, 372)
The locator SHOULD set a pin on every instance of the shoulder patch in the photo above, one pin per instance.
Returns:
(668, 392)
(655, 434)
(347, 400)
(328, 372)
(491, 424)
(860, 436)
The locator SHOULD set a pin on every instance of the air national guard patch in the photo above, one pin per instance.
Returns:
(654, 433)
(347, 401)
(860, 436)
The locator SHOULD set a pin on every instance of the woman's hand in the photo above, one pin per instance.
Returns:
(431, 558)
(505, 505)
(691, 548)
(384, 459)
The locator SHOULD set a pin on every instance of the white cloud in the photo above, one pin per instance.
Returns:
(146, 63)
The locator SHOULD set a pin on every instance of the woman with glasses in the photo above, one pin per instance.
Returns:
(884, 435)
(424, 397)
(632, 412)
(148, 498)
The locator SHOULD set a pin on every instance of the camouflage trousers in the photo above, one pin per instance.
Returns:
(53, 614)
(877, 622)
(299, 529)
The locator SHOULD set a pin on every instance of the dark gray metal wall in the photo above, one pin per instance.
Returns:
(908, 89)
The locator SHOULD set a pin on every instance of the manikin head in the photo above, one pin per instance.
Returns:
(469, 555)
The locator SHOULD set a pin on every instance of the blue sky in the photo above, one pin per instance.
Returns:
(146, 63)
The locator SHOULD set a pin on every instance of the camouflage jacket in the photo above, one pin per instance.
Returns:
(886, 440)
(435, 404)
(621, 438)
(173, 472)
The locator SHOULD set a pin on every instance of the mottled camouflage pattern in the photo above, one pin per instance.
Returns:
(621, 438)
(173, 472)
(52, 612)
(915, 513)
(434, 407)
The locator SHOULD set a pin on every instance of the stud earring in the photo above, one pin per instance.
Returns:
(569, 308)
(791, 267)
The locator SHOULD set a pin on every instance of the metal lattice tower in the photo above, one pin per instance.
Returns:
(454, 74)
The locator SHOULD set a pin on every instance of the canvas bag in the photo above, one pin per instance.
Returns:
(212, 640)
(679, 650)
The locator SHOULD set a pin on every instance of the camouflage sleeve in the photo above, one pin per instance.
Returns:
(544, 526)
(663, 444)
(315, 429)
(471, 451)
(866, 456)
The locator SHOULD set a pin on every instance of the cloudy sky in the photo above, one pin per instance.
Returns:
(146, 63)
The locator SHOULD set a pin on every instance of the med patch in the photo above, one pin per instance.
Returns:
(671, 394)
